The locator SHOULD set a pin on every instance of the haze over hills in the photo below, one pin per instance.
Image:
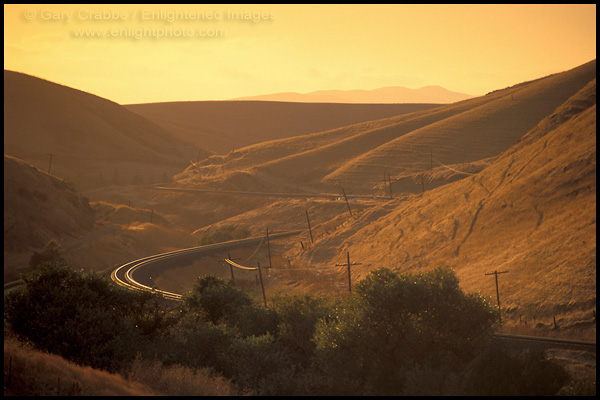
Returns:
(529, 209)
(94, 141)
(391, 94)
(431, 142)
(224, 126)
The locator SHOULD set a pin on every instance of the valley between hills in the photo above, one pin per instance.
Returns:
(505, 181)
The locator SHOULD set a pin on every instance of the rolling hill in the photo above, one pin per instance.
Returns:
(391, 94)
(427, 143)
(94, 141)
(223, 126)
(531, 212)
(37, 208)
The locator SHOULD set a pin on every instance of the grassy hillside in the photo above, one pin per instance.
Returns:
(37, 208)
(94, 141)
(532, 212)
(223, 126)
(405, 146)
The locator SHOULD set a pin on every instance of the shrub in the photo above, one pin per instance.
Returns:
(215, 298)
(81, 316)
(298, 316)
(393, 322)
(498, 372)
(51, 254)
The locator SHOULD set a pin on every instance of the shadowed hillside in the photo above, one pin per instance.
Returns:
(94, 141)
(37, 208)
(426, 143)
(223, 126)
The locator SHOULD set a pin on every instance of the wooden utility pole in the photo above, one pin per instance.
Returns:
(309, 229)
(50, 164)
(262, 286)
(346, 198)
(231, 267)
(348, 264)
(423, 183)
(387, 179)
(151, 215)
(269, 247)
(431, 160)
(495, 273)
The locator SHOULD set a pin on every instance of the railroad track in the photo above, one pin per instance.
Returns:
(546, 341)
(123, 275)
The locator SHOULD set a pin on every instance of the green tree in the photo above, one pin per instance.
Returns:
(215, 298)
(498, 372)
(298, 316)
(83, 317)
(392, 323)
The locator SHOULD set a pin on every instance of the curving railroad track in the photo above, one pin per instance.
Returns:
(123, 275)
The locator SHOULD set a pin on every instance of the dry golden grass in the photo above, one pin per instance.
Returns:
(532, 212)
(33, 373)
(359, 155)
(216, 125)
(176, 380)
(95, 140)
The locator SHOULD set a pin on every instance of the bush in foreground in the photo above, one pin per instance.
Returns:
(81, 316)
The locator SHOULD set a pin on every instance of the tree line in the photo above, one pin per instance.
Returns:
(395, 334)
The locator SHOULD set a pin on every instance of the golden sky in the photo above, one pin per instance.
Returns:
(150, 53)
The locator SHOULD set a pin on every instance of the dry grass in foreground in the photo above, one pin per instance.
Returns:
(177, 380)
(29, 372)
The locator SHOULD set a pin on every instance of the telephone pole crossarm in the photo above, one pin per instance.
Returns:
(496, 273)
(348, 264)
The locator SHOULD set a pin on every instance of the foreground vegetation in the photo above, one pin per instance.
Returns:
(406, 334)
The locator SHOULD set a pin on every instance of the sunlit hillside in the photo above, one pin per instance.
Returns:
(425, 143)
(224, 126)
(531, 212)
(92, 141)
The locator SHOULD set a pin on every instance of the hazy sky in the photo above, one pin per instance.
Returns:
(149, 53)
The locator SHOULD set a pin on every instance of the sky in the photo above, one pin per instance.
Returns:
(152, 53)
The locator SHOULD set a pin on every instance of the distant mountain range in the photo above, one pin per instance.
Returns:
(392, 94)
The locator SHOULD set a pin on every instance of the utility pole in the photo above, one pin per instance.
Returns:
(50, 165)
(269, 247)
(495, 273)
(348, 264)
(387, 179)
(348, 204)
(231, 267)
(431, 160)
(262, 285)
(309, 229)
